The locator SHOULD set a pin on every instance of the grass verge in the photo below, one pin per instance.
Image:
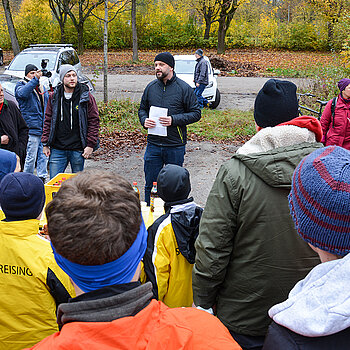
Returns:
(215, 125)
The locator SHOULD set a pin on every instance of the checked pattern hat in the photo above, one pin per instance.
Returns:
(319, 199)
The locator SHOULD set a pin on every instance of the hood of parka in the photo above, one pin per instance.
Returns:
(275, 167)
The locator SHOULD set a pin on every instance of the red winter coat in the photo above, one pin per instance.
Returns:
(339, 133)
(155, 327)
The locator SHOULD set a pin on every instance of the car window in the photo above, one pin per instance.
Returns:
(76, 58)
(67, 57)
(24, 58)
(185, 67)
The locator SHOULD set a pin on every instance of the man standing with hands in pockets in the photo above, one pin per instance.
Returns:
(177, 99)
(71, 124)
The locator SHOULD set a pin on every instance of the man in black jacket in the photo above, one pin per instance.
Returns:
(201, 78)
(171, 93)
(13, 128)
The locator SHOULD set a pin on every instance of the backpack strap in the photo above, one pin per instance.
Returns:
(334, 103)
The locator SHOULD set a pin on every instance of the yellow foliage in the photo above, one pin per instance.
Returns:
(34, 8)
(345, 53)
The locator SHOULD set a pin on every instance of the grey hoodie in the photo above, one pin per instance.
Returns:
(318, 305)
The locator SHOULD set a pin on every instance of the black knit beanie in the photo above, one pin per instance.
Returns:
(173, 183)
(276, 103)
(166, 57)
(29, 68)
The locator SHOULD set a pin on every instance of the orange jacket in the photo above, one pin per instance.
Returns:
(155, 327)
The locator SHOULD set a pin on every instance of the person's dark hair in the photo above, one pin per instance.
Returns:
(94, 218)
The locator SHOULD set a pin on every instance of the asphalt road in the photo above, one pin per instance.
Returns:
(236, 92)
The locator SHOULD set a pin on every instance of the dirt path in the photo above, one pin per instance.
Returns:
(202, 160)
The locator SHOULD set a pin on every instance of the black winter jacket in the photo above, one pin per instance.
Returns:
(201, 72)
(281, 338)
(13, 125)
(178, 97)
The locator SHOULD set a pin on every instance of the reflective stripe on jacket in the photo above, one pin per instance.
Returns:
(165, 266)
(31, 285)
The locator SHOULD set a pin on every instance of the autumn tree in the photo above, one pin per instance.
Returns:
(116, 7)
(79, 11)
(135, 55)
(11, 28)
(209, 10)
(333, 10)
(227, 9)
(59, 9)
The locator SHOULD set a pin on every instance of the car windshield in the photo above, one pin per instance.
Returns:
(185, 67)
(24, 58)
(9, 83)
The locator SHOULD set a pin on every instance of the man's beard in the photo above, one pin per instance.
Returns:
(162, 76)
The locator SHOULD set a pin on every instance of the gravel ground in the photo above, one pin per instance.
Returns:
(202, 160)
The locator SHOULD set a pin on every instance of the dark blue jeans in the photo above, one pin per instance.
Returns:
(59, 160)
(155, 158)
(203, 102)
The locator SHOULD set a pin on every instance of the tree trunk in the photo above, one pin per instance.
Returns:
(80, 32)
(105, 55)
(63, 33)
(330, 36)
(221, 36)
(135, 55)
(207, 27)
(11, 28)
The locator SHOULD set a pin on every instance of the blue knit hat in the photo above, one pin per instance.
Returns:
(319, 200)
(22, 196)
(8, 162)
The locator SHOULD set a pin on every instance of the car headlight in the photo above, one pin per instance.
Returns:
(209, 85)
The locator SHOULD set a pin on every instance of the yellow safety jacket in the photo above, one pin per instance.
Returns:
(169, 256)
(31, 285)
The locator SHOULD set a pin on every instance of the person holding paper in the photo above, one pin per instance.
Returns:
(168, 104)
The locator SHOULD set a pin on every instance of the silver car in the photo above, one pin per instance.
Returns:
(184, 69)
(54, 55)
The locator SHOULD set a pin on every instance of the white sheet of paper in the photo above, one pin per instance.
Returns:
(154, 114)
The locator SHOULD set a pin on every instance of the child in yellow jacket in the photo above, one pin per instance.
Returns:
(170, 252)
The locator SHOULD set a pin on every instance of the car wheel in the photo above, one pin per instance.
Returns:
(214, 104)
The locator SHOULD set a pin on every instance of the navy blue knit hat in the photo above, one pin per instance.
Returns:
(166, 57)
(30, 67)
(319, 200)
(22, 196)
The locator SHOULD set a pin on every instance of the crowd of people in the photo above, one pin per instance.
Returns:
(262, 266)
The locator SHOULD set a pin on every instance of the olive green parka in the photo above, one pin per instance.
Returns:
(249, 255)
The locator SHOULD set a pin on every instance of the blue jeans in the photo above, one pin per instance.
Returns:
(155, 158)
(198, 92)
(59, 160)
(36, 155)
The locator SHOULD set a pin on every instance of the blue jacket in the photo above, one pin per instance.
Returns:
(30, 105)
